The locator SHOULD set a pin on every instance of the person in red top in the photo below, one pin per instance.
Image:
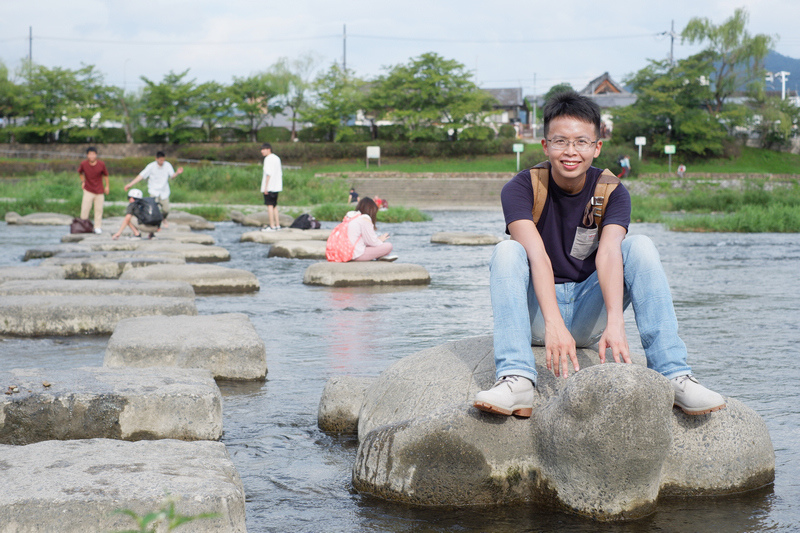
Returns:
(94, 181)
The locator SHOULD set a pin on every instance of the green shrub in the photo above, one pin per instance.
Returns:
(427, 134)
(476, 133)
(402, 214)
(311, 134)
(351, 134)
(393, 132)
(507, 131)
(271, 134)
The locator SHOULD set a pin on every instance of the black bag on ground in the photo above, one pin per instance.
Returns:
(147, 211)
(81, 225)
(305, 221)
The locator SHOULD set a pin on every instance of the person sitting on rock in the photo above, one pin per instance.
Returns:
(563, 282)
(361, 231)
(133, 195)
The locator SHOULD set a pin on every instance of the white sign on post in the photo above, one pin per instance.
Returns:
(640, 141)
(373, 152)
(518, 149)
(669, 149)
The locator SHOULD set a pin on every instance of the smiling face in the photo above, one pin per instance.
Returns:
(569, 166)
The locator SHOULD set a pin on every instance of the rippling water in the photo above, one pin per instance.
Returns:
(738, 302)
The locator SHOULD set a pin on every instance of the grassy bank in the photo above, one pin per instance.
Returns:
(758, 205)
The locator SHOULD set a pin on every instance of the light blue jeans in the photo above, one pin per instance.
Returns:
(518, 321)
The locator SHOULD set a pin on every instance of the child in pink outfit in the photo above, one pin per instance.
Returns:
(361, 231)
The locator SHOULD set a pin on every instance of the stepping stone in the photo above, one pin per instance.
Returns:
(40, 219)
(290, 234)
(79, 485)
(363, 273)
(261, 218)
(40, 252)
(298, 249)
(464, 238)
(110, 403)
(225, 344)
(61, 287)
(341, 402)
(192, 253)
(31, 272)
(176, 232)
(31, 315)
(196, 222)
(109, 265)
(205, 279)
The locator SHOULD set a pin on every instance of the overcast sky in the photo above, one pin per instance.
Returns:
(505, 43)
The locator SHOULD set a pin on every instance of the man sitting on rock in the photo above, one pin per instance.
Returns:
(563, 282)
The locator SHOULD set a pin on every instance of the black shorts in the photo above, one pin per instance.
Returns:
(271, 198)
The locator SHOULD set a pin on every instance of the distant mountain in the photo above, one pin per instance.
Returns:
(776, 62)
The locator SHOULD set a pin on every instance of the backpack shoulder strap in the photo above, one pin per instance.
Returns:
(596, 208)
(540, 177)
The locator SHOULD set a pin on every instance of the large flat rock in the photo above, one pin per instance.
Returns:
(109, 265)
(285, 234)
(310, 249)
(40, 219)
(464, 238)
(205, 279)
(604, 443)
(261, 218)
(225, 344)
(179, 233)
(196, 222)
(191, 252)
(49, 250)
(32, 315)
(78, 486)
(62, 287)
(27, 272)
(365, 273)
(112, 403)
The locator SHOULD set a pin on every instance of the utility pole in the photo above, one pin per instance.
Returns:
(344, 48)
(672, 36)
(783, 74)
(30, 46)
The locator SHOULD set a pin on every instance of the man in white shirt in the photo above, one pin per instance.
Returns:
(158, 173)
(271, 185)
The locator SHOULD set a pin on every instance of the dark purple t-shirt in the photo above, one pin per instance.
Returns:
(561, 216)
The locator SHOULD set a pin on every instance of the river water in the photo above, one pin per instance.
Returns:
(737, 298)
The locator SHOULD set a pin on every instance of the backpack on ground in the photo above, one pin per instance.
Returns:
(81, 225)
(147, 211)
(595, 209)
(305, 221)
(338, 248)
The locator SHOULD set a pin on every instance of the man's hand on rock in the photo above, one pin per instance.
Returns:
(559, 345)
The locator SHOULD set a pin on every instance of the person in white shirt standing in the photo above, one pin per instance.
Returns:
(271, 185)
(158, 173)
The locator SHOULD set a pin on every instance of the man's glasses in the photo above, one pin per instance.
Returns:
(581, 145)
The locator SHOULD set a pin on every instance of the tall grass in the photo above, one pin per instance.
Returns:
(336, 212)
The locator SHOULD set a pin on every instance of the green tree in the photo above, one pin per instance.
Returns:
(556, 89)
(338, 97)
(61, 99)
(429, 91)
(738, 57)
(299, 85)
(169, 106)
(257, 97)
(11, 104)
(775, 121)
(214, 106)
(670, 108)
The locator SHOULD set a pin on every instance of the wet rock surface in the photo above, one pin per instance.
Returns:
(159, 289)
(8, 273)
(205, 279)
(78, 486)
(109, 265)
(463, 238)
(355, 274)
(92, 402)
(40, 219)
(285, 234)
(310, 249)
(227, 345)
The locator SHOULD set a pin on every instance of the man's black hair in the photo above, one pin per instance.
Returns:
(91, 149)
(160, 154)
(572, 104)
(267, 146)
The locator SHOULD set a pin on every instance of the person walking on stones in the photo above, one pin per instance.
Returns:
(563, 282)
(94, 182)
(625, 163)
(271, 185)
(158, 173)
(133, 195)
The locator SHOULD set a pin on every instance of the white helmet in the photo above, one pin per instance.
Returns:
(135, 193)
